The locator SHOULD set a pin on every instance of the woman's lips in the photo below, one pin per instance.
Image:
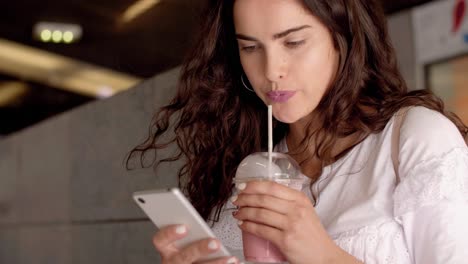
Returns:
(280, 96)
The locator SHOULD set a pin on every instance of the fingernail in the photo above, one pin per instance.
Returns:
(213, 245)
(241, 186)
(181, 230)
(240, 222)
(232, 260)
(234, 213)
(234, 198)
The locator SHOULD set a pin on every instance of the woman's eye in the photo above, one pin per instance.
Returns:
(249, 48)
(295, 44)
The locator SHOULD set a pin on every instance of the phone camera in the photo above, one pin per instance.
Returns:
(141, 200)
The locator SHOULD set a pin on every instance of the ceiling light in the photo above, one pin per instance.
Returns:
(57, 32)
(138, 8)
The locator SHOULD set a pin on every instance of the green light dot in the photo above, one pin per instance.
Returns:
(46, 35)
(57, 36)
(68, 37)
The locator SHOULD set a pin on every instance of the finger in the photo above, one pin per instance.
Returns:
(270, 188)
(226, 260)
(263, 201)
(166, 236)
(262, 216)
(196, 251)
(267, 232)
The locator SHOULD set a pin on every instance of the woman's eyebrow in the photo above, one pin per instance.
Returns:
(289, 31)
(275, 36)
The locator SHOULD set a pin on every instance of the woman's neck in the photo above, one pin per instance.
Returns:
(306, 157)
(311, 165)
(298, 132)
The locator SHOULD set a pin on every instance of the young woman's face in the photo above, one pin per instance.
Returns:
(287, 54)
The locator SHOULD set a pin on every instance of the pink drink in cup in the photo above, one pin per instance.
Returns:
(283, 170)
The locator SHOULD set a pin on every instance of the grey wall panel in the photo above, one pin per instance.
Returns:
(401, 32)
(44, 172)
(8, 179)
(116, 243)
(9, 245)
(46, 244)
(119, 243)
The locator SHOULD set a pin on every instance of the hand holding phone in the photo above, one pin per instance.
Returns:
(183, 236)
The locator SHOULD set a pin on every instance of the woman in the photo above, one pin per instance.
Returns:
(328, 69)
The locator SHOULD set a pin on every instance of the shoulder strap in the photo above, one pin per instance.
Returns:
(395, 148)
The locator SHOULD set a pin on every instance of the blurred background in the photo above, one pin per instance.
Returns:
(79, 83)
(56, 55)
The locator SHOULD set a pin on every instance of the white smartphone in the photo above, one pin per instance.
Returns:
(171, 207)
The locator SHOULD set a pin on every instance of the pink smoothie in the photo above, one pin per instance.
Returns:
(280, 168)
(257, 249)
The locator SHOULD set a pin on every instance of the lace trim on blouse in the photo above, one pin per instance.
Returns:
(438, 179)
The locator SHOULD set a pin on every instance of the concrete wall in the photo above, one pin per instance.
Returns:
(65, 195)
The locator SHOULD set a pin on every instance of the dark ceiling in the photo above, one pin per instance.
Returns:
(154, 42)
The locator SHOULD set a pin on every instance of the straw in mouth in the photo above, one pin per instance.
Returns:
(270, 139)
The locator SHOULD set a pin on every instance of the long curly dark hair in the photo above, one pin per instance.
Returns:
(215, 122)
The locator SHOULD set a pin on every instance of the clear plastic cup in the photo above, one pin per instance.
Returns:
(284, 170)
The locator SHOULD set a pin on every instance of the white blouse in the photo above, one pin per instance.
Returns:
(420, 218)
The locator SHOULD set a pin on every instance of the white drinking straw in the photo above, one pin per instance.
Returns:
(270, 138)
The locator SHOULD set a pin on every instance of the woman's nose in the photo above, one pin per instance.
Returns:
(275, 68)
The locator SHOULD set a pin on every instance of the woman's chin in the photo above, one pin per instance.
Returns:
(286, 119)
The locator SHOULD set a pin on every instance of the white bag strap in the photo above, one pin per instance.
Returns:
(395, 148)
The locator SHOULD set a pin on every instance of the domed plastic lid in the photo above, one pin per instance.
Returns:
(284, 169)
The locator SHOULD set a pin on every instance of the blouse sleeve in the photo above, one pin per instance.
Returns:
(431, 199)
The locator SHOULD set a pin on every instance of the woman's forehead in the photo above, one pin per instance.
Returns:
(271, 16)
